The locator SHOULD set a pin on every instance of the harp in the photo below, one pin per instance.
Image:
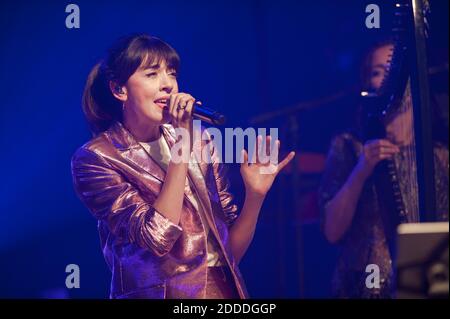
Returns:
(405, 184)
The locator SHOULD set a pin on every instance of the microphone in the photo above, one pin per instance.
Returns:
(208, 115)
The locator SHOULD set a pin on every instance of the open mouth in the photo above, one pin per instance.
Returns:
(162, 103)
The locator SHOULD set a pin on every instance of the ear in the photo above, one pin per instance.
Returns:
(119, 92)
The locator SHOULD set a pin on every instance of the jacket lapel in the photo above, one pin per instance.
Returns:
(133, 152)
(196, 177)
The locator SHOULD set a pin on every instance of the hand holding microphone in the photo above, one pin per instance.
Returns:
(185, 104)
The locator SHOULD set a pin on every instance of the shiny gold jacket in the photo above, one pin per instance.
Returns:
(149, 256)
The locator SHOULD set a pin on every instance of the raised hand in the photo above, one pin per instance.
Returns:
(260, 174)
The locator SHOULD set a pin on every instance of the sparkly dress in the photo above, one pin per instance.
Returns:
(365, 241)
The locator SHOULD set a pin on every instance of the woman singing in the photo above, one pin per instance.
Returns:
(168, 229)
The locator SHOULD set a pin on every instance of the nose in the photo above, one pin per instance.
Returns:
(166, 83)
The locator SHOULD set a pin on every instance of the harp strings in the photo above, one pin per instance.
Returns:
(408, 165)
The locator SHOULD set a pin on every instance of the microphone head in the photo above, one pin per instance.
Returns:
(208, 115)
(220, 119)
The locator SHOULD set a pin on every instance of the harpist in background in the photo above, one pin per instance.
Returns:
(351, 204)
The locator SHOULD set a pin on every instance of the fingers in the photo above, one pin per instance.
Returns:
(172, 105)
(181, 106)
(286, 161)
(270, 151)
(268, 141)
(382, 143)
(244, 158)
(265, 150)
(383, 149)
(185, 108)
(256, 148)
(376, 157)
(189, 107)
(380, 149)
(384, 156)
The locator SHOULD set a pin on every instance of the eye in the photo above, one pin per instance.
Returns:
(376, 73)
(173, 73)
(151, 74)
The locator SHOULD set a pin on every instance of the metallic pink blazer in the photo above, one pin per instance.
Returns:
(149, 256)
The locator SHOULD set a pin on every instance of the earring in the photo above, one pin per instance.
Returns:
(119, 90)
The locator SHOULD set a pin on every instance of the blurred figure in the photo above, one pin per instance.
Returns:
(350, 203)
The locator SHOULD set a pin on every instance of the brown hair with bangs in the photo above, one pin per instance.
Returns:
(125, 56)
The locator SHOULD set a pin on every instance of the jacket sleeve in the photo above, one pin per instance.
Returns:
(110, 198)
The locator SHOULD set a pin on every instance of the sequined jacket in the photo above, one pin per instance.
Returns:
(149, 256)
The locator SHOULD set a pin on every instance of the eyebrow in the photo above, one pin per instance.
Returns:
(154, 66)
(380, 65)
(157, 66)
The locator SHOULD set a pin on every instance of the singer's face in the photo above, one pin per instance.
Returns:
(147, 89)
(379, 65)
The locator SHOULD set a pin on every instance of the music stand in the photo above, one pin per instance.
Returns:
(422, 260)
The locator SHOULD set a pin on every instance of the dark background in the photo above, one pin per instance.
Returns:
(244, 58)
